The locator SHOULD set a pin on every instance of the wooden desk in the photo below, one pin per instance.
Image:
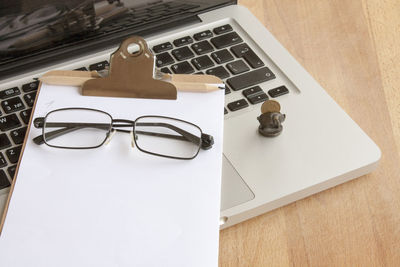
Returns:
(352, 48)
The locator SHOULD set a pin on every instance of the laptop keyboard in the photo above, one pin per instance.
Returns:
(16, 107)
(219, 51)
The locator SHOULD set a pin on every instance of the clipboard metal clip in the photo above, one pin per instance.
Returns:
(130, 75)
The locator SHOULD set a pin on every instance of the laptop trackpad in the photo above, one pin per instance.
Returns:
(234, 190)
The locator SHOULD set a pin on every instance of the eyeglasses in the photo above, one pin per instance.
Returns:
(84, 128)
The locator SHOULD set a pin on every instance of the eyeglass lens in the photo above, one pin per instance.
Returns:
(76, 128)
(167, 136)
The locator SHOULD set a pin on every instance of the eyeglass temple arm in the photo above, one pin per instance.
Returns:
(206, 141)
(189, 136)
(68, 127)
(53, 134)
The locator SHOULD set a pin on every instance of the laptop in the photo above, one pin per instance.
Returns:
(320, 145)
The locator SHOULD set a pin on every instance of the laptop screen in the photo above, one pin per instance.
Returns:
(38, 31)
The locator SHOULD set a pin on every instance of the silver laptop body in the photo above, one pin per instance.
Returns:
(320, 145)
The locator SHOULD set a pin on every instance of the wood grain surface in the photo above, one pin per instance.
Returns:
(352, 48)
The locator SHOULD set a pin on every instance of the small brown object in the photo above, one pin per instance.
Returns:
(270, 106)
(131, 75)
(271, 123)
(271, 119)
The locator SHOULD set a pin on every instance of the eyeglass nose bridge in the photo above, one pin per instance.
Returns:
(117, 123)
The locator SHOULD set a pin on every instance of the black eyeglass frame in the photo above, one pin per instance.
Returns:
(205, 141)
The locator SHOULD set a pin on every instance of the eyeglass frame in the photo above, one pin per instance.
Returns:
(206, 141)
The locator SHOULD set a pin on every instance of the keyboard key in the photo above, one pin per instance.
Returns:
(187, 6)
(222, 56)
(203, 47)
(25, 115)
(99, 66)
(225, 40)
(30, 86)
(237, 67)
(164, 59)
(183, 41)
(172, 12)
(253, 60)
(175, 5)
(225, 111)
(202, 62)
(252, 91)
(9, 93)
(162, 47)
(11, 171)
(182, 53)
(240, 50)
(219, 71)
(254, 99)
(13, 154)
(203, 35)
(4, 141)
(18, 135)
(3, 161)
(250, 78)
(12, 104)
(4, 183)
(281, 90)
(227, 90)
(166, 70)
(223, 29)
(244, 51)
(30, 99)
(9, 122)
(239, 104)
(182, 68)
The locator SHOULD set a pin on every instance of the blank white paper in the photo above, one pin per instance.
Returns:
(115, 205)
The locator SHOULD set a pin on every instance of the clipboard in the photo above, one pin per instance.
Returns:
(48, 202)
